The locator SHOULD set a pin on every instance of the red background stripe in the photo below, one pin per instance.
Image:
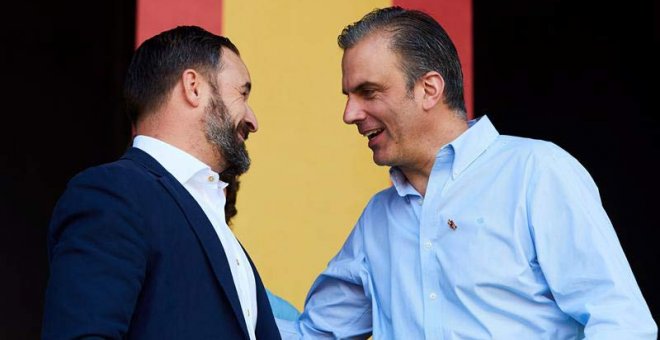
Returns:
(155, 16)
(456, 17)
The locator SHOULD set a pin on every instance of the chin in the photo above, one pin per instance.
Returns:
(382, 161)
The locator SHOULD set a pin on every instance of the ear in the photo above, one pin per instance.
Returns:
(192, 85)
(433, 86)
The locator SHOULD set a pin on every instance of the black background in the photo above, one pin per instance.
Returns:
(580, 74)
(62, 67)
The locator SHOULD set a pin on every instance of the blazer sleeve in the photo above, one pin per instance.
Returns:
(98, 257)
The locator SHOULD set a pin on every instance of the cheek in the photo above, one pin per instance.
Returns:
(377, 109)
(234, 112)
(390, 115)
(237, 115)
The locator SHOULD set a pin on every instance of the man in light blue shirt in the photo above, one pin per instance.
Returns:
(481, 235)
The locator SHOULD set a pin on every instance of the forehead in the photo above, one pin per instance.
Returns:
(370, 60)
(233, 69)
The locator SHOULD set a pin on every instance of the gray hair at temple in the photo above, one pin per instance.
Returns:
(422, 45)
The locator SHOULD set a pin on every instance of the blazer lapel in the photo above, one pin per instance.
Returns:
(202, 228)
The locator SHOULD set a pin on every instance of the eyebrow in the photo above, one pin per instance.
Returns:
(361, 87)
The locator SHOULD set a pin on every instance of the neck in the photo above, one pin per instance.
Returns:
(418, 171)
(418, 178)
(178, 135)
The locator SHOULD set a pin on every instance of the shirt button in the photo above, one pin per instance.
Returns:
(211, 178)
(433, 296)
(238, 263)
(420, 201)
(248, 312)
(428, 245)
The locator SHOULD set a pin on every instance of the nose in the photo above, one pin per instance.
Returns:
(353, 111)
(251, 120)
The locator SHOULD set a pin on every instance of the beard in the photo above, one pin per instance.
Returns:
(220, 132)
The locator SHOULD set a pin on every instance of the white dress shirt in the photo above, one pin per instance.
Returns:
(206, 188)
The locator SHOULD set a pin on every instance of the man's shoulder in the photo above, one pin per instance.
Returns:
(525, 143)
(539, 157)
(528, 148)
(122, 170)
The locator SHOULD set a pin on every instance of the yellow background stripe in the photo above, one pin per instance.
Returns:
(311, 174)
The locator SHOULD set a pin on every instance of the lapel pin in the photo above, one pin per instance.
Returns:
(451, 224)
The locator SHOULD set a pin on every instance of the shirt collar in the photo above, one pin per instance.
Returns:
(472, 143)
(401, 184)
(182, 165)
(480, 134)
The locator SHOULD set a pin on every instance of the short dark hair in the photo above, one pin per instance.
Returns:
(159, 62)
(421, 43)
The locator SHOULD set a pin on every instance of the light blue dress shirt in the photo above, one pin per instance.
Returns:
(510, 242)
(282, 309)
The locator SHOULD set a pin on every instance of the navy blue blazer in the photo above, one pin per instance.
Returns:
(132, 255)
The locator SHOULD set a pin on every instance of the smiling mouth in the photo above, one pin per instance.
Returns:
(373, 133)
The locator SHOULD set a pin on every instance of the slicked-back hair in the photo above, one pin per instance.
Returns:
(421, 44)
(159, 62)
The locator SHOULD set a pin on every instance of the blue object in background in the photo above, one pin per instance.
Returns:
(282, 309)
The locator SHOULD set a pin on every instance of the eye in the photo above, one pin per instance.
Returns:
(368, 93)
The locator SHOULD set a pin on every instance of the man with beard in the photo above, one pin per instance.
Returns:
(139, 248)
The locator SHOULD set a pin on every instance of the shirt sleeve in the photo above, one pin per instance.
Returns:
(579, 252)
(97, 256)
(337, 305)
(282, 309)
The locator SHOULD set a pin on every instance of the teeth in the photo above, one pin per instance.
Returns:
(372, 133)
